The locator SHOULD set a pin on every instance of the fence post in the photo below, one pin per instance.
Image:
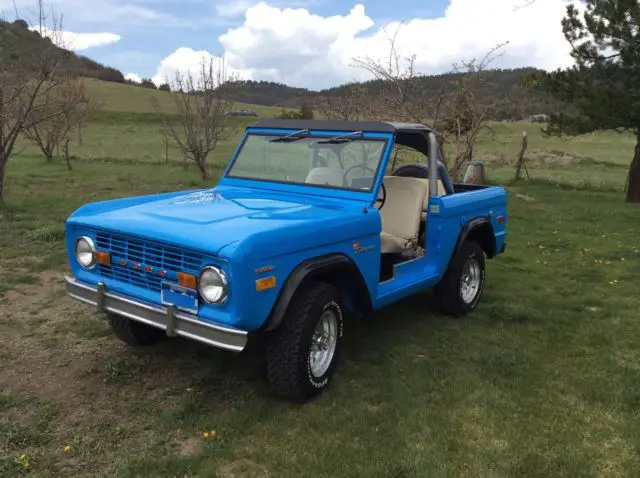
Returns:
(521, 160)
(65, 148)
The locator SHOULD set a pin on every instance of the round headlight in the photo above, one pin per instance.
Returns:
(85, 252)
(212, 285)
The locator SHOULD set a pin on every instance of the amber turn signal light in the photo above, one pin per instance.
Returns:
(103, 258)
(187, 280)
(265, 283)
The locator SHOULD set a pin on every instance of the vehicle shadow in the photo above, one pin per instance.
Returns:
(233, 378)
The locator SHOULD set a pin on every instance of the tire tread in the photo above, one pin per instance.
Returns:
(285, 350)
(448, 289)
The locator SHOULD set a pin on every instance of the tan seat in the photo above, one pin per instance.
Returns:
(401, 213)
(324, 176)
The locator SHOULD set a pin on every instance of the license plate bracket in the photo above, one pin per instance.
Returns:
(181, 297)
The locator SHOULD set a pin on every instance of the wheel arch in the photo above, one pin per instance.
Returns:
(479, 230)
(337, 269)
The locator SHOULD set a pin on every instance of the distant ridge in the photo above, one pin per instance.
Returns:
(500, 83)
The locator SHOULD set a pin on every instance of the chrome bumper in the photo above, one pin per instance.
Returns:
(167, 318)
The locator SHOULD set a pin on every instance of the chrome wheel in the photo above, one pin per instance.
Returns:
(470, 281)
(323, 343)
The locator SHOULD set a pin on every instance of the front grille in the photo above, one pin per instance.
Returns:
(159, 257)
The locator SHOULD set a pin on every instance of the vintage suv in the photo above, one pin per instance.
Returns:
(304, 226)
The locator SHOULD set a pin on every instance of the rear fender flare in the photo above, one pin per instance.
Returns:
(481, 228)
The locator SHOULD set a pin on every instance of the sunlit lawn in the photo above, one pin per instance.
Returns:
(543, 380)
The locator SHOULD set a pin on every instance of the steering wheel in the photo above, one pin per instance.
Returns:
(382, 199)
(364, 168)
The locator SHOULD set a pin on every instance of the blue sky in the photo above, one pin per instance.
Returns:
(308, 43)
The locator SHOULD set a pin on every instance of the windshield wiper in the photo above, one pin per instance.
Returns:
(345, 138)
(291, 137)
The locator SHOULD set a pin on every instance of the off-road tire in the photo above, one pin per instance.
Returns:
(288, 362)
(448, 292)
(134, 333)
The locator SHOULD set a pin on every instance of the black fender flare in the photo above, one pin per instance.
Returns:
(321, 266)
(474, 225)
(469, 226)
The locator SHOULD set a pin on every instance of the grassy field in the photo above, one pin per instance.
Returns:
(122, 98)
(542, 380)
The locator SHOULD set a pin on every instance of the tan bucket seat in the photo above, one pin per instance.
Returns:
(324, 176)
(401, 212)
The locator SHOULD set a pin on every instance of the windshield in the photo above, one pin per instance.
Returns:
(350, 163)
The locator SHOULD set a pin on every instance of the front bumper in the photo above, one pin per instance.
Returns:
(167, 318)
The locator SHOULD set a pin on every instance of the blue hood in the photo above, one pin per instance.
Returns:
(255, 222)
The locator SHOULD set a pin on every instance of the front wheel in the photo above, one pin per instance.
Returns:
(301, 355)
(460, 289)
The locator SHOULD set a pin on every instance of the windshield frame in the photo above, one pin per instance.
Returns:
(296, 186)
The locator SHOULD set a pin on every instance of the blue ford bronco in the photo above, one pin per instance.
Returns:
(309, 222)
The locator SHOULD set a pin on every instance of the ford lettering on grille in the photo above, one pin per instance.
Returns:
(144, 263)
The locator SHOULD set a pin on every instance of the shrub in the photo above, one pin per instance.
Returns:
(305, 112)
(147, 83)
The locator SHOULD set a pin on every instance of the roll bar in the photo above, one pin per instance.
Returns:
(433, 164)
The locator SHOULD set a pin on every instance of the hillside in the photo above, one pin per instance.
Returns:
(266, 93)
(128, 99)
(20, 45)
(523, 102)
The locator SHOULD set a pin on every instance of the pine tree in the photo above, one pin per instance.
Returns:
(603, 87)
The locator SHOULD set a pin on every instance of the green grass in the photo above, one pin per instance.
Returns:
(542, 380)
(123, 98)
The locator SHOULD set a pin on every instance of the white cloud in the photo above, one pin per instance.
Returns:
(293, 45)
(186, 60)
(78, 41)
(299, 48)
(133, 77)
(181, 61)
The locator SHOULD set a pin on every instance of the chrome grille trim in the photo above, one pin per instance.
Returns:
(147, 253)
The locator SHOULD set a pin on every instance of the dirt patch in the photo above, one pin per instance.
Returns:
(560, 159)
(494, 158)
(190, 446)
(41, 359)
(524, 197)
(48, 354)
(25, 300)
(244, 468)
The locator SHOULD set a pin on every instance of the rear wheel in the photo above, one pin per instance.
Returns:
(301, 355)
(460, 289)
(134, 333)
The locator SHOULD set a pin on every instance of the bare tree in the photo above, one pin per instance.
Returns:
(464, 112)
(64, 108)
(403, 94)
(202, 119)
(25, 83)
(353, 104)
(458, 111)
